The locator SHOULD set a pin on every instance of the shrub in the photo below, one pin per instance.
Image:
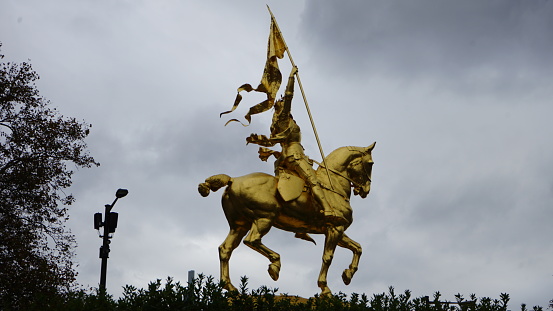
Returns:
(206, 294)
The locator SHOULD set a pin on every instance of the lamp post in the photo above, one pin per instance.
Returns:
(109, 224)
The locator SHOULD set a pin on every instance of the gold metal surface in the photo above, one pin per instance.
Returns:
(297, 198)
(252, 206)
(290, 186)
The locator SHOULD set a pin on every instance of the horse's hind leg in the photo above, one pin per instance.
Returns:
(259, 228)
(225, 251)
(356, 249)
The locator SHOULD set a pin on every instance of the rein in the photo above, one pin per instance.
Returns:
(332, 190)
(338, 173)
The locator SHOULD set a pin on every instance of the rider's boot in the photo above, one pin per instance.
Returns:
(330, 215)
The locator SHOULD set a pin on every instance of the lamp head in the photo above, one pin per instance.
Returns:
(121, 193)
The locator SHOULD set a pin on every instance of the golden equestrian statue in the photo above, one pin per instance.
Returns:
(298, 198)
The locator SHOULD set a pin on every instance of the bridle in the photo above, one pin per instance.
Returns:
(367, 175)
(354, 183)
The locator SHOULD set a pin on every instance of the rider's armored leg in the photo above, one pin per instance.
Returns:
(304, 168)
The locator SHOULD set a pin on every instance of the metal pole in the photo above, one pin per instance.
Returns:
(191, 277)
(304, 98)
(104, 249)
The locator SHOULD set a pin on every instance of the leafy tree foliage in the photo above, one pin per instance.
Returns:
(39, 148)
(205, 294)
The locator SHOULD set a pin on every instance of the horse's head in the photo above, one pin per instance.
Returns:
(360, 169)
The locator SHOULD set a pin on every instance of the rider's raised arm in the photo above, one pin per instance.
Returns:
(289, 93)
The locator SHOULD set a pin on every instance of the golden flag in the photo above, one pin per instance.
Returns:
(271, 79)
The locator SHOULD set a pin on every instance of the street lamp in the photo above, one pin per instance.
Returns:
(109, 224)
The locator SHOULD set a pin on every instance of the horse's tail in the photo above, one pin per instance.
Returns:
(214, 183)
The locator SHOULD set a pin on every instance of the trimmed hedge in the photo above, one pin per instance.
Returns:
(205, 294)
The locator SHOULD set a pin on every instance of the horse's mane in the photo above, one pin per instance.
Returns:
(342, 156)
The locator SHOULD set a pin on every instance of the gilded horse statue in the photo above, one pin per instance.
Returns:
(253, 204)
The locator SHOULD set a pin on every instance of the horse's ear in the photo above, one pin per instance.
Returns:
(371, 147)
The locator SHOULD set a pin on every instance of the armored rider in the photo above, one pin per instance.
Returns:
(285, 130)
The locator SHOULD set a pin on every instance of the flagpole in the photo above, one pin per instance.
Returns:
(304, 98)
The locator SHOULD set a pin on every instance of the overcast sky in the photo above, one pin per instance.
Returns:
(457, 95)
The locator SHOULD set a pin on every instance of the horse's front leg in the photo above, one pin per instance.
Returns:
(333, 236)
(356, 249)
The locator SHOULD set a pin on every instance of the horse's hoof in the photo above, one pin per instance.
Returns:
(203, 189)
(346, 276)
(326, 292)
(274, 271)
(229, 287)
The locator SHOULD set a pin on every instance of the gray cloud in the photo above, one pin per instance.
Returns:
(456, 94)
(471, 45)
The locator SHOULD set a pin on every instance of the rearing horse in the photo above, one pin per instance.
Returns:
(252, 205)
